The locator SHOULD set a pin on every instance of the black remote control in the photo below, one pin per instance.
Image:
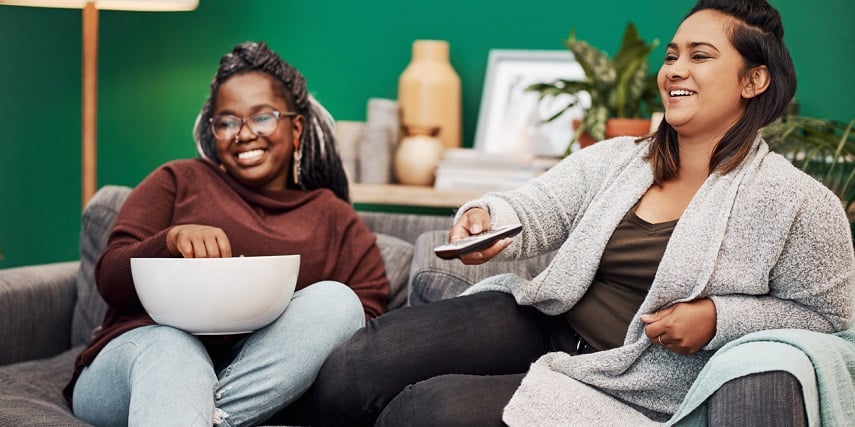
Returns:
(475, 242)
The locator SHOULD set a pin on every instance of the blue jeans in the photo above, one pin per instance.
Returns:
(158, 375)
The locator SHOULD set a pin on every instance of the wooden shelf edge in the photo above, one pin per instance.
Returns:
(409, 195)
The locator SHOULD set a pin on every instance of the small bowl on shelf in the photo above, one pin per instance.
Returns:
(216, 296)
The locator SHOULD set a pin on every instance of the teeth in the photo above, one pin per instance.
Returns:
(681, 92)
(250, 154)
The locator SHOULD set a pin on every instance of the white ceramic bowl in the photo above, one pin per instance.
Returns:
(214, 296)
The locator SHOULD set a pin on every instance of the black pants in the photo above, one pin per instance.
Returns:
(457, 362)
(452, 362)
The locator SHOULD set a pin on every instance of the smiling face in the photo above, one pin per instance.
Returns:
(703, 81)
(262, 162)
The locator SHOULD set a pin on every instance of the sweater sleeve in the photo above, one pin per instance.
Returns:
(140, 231)
(812, 285)
(550, 205)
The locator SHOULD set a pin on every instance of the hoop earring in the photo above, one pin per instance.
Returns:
(298, 155)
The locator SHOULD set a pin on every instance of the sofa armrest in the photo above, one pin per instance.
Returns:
(434, 279)
(36, 303)
(772, 398)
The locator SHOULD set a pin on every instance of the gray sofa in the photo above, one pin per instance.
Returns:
(47, 312)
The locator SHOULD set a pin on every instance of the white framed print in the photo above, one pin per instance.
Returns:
(511, 120)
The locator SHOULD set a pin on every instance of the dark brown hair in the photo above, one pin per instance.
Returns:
(758, 36)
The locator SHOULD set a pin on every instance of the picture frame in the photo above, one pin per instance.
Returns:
(511, 120)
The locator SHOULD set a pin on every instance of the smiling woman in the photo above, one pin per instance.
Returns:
(666, 248)
(268, 182)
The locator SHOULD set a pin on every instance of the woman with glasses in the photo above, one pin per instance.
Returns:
(268, 181)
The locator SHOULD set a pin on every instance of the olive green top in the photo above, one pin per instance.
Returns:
(626, 271)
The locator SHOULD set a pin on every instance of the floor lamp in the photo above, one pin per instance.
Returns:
(90, 67)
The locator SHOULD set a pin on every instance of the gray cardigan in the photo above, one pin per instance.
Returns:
(769, 244)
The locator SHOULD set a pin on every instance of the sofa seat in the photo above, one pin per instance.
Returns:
(47, 312)
(31, 392)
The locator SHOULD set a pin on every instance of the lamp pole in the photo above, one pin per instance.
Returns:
(89, 128)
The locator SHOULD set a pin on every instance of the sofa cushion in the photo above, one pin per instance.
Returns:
(404, 226)
(397, 257)
(31, 392)
(434, 279)
(98, 218)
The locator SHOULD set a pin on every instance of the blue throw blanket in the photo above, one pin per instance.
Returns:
(823, 363)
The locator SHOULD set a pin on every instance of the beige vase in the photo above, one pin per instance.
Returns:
(429, 92)
(417, 156)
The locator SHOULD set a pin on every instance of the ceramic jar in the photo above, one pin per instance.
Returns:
(429, 92)
(375, 155)
(348, 135)
(385, 113)
(417, 156)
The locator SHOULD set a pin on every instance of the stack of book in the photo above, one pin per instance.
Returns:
(477, 170)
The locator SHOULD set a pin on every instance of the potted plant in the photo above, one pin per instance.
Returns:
(825, 149)
(619, 88)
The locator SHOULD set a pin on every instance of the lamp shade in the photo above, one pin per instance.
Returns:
(138, 5)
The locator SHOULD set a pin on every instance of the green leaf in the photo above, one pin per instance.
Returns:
(595, 120)
(625, 99)
(822, 148)
(560, 87)
(576, 135)
(557, 87)
(559, 113)
(595, 63)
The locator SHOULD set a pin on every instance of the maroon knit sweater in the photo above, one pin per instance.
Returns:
(332, 241)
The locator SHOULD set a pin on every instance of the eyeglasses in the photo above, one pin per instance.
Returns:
(227, 126)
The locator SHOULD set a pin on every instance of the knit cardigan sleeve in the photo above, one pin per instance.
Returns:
(812, 283)
(550, 205)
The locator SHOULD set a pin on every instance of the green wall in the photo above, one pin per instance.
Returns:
(155, 69)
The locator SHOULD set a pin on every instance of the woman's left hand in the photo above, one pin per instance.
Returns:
(684, 327)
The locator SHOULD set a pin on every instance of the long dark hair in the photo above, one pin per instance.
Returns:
(320, 165)
(758, 35)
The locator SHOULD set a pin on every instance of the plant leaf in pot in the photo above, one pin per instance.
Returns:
(618, 88)
(824, 149)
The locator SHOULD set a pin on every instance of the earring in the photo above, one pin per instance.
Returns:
(298, 155)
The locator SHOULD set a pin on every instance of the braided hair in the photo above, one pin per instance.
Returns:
(320, 165)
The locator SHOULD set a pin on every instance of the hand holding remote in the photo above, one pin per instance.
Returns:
(475, 242)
